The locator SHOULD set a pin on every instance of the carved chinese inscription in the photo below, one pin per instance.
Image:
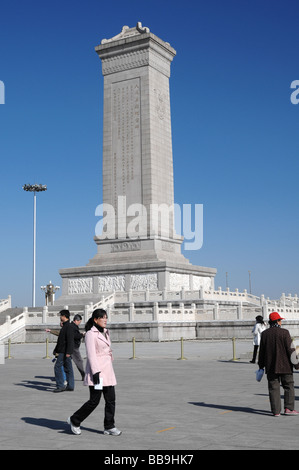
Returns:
(126, 141)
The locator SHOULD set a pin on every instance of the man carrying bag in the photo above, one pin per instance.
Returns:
(278, 356)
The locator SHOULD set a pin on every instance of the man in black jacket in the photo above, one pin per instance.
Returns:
(278, 357)
(63, 351)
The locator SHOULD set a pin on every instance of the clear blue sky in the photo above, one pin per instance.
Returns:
(235, 133)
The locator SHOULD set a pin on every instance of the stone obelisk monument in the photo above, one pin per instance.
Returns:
(137, 149)
(138, 248)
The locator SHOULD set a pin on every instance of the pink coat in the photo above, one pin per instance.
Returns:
(99, 357)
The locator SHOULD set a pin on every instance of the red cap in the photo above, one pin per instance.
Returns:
(275, 316)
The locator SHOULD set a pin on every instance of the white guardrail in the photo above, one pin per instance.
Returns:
(180, 306)
(5, 304)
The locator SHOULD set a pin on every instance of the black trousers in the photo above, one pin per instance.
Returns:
(255, 350)
(94, 399)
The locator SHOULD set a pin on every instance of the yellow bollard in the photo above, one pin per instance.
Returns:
(182, 358)
(234, 349)
(47, 349)
(9, 347)
(133, 342)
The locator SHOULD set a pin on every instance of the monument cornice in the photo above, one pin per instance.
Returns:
(134, 42)
(135, 51)
(139, 58)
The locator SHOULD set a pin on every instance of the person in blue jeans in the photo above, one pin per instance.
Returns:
(56, 333)
(63, 351)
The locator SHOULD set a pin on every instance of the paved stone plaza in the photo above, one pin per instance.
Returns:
(206, 402)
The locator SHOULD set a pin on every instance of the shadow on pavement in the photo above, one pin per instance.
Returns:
(55, 424)
(241, 409)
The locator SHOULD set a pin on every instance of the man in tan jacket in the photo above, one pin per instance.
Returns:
(278, 357)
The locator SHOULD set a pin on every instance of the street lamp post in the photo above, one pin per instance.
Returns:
(34, 188)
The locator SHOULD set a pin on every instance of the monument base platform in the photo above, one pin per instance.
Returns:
(82, 285)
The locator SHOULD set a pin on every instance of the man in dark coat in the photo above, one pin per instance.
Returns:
(63, 351)
(278, 357)
(77, 358)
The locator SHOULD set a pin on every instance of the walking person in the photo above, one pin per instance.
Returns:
(99, 369)
(76, 356)
(257, 330)
(63, 351)
(56, 333)
(278, 356)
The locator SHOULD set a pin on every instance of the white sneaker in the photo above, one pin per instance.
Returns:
(112, 432)
(75, 430)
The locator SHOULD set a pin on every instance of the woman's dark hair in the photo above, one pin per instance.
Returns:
(98, 313)
(259, 319)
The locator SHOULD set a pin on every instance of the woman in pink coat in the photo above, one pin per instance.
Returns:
(99, 374)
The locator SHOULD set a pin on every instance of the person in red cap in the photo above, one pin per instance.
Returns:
(278, 357)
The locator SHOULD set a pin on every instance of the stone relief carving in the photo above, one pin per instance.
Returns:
(142, 29)
(177, 281)
(144, 281)
(201, 281)
(127, 61)
(111, 283)
(127, 32)
(81, 285)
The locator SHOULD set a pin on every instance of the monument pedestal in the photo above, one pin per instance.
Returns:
(138, 250)
(89, 283)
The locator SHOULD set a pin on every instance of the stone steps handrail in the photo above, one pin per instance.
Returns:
(12, 325)
(5, 303)
(103, 303)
